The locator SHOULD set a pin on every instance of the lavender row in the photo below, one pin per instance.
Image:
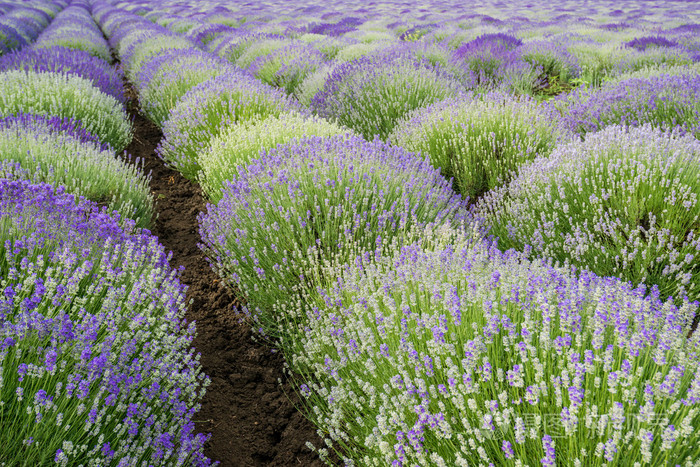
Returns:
(96, 359)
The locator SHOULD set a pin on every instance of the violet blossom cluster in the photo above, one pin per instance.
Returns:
(663, 101)
(74, 28)
(66, 96)
(23, 23)
(370, 96)
(164, 79)
(67, 61)
(59, 152)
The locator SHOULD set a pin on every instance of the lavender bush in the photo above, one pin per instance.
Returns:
(239, 144)
(314, 204)
(287, 67)
(74, 28)
(371, 96)
(208, 108)
(59, 152)
(623, 203)
(144, 46)
(464, 355)
(167, 77)
(96, 365)
(479, 140)
(64, 96)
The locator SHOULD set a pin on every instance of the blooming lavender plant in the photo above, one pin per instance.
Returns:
(59, 152)
(64, 96)
(464, 355)
(96, 365)
(622, 203)
(306, 207)
(239, 144)
(260, 47)
(480, 140)
(370, 96)
(167, 77)
(66, 126)
(488, 58)
(234, 45)
(208, 108)
(287, 67)
(10, 39)
(664, 101)
(70, 62)
(144, 46)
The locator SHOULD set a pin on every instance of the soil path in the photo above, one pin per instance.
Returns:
(249, 414)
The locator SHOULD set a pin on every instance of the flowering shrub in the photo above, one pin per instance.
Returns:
(464, 355)
(488, 59)
(95, 357)
(58, 152)
(208, 108)
(260, 47)
(287, 67)
(239, 144)
(623, 203)
(234, 45)
(479, 140)
(65, 96)
(313, 84)
(167, 77)
(10, 39)
(370, 96)
(70, 62)
(555, 64)
(145, 46)
(316, 203)
(664, 101)
(67, 126)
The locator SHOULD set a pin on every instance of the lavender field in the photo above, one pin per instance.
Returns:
(363, 234)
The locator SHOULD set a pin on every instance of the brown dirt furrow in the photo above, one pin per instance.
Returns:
(250, 415)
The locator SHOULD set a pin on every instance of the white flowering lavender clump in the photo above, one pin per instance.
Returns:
(66, 96)
(480, 140)
(466, 355)
(623, 203)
